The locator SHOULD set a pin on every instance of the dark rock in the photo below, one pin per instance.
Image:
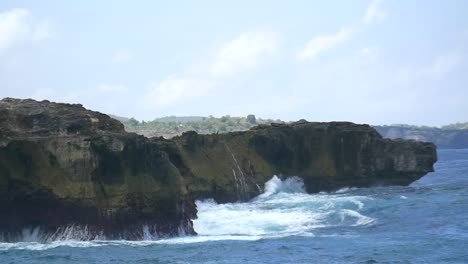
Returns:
(328, 156)
(76, 173)
(65, 167)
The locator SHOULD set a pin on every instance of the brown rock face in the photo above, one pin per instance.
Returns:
(75, 173)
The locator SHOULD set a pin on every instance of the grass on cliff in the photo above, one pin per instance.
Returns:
(172, 126)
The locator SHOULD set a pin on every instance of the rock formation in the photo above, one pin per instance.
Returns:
(327, 156)
(62, 166)
(74, 173)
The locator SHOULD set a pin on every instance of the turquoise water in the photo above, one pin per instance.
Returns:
(426, 222)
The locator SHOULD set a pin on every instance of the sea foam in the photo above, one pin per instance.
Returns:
(283, 209)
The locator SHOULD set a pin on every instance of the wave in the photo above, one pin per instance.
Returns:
(284, 209)
(276, 185)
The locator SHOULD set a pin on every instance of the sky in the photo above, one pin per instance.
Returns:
(365, 61)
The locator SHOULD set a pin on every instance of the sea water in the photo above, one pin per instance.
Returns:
(426, 222)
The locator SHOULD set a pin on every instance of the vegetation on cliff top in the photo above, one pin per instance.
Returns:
(172, 125)
(175, 125)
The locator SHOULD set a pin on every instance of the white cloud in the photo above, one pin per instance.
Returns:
(41, 31)
(437, 69)
(374, 12)
(443, 65)
(244, 53)
(323, 43)
(176, 89)
(122, 56)
(17, 27)
(369, 53)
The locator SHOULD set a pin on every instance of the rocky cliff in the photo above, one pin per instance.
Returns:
(77, 174)
(67, 172)
(327, 156)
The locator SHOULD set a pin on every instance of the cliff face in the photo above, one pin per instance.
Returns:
(328, 156)
(77, 174)
(68, 168)
(443, 138)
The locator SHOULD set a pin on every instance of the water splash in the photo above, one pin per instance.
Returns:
(276, 185)
(241, 184)
(284, 209)
(74, 232)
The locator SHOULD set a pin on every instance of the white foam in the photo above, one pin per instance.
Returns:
(50, 245)
(37, 246)
(346, 189)
(31, 234)
(359, 218)
(253, 219)
(276, 185)
(283, 209)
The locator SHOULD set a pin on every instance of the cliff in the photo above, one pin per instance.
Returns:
(77, 174)
(441, 137)
(327, 156)
(70, 173)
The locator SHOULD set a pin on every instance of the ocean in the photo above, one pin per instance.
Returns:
(426, 222)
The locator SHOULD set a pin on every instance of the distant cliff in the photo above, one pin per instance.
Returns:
(448, 137)
(67, 172)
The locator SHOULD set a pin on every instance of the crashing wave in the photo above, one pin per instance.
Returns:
(283, 209)
(276, 185)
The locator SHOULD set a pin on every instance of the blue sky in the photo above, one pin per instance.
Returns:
(373, 61)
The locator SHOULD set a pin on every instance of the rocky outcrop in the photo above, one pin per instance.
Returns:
(442, 138)
(77, 174)
(327, 156)
(67, 172)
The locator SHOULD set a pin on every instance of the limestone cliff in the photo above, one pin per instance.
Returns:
(77, 174)
(68, 168)
(327, 156)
